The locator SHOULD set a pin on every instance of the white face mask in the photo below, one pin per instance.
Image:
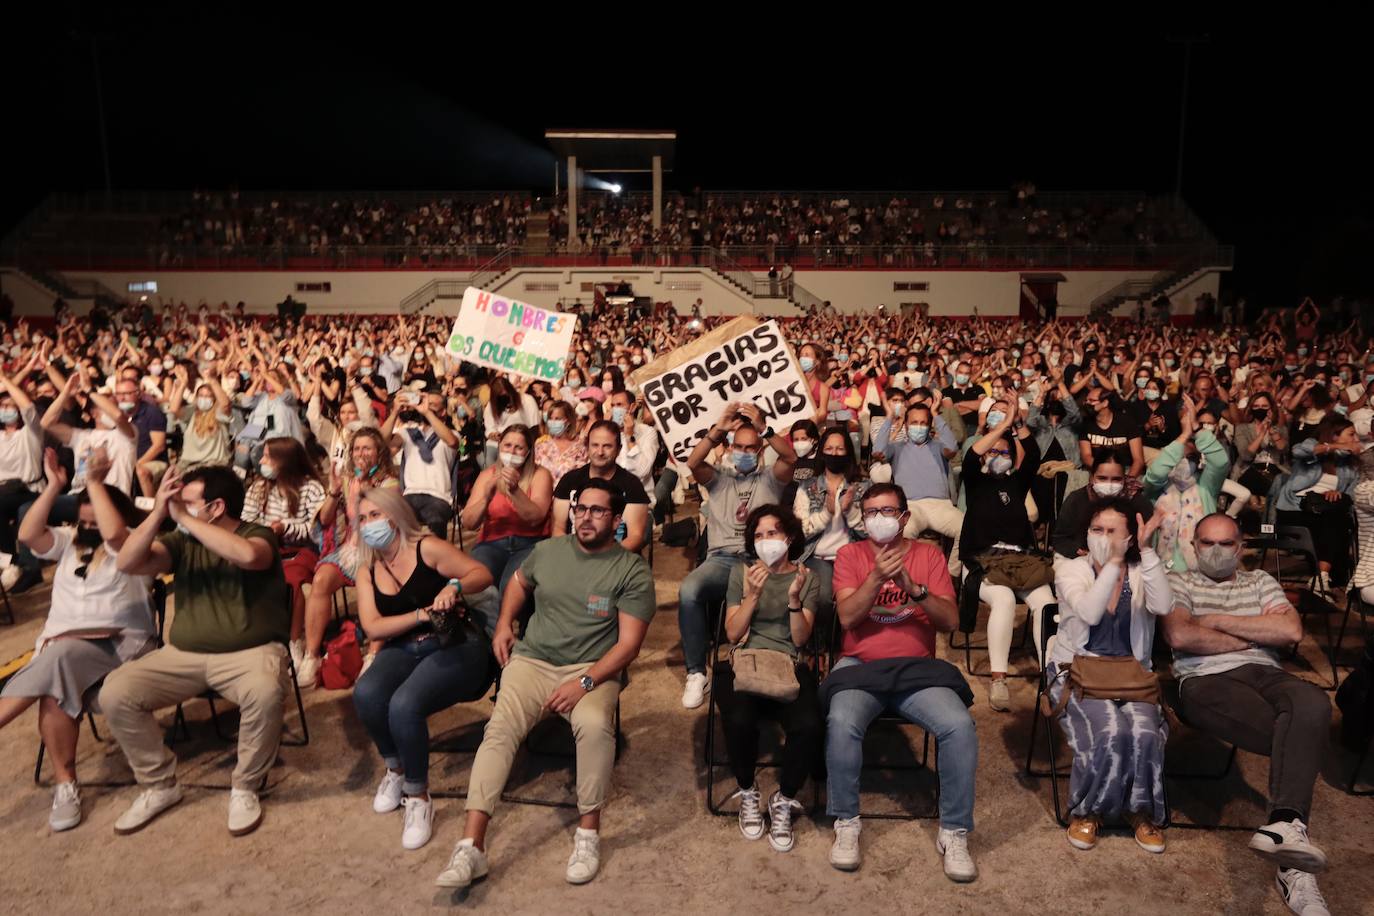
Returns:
(803, 447)
(771, 550)
(511, 460)
(1099, 548)
(883, 530)
(204, 404)
(1108, 488)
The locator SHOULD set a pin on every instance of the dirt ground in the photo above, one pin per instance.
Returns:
(322, 849)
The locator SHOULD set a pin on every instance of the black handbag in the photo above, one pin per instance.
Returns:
(1318, 504)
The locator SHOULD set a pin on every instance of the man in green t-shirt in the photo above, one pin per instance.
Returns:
(229, 632)
(593, 601)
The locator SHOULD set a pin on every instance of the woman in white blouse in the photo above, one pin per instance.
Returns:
(100, 618)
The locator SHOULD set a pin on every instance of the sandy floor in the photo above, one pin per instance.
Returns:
(322, 849)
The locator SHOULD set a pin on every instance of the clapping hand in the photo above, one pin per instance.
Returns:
(57, 475)
(754, 579)
(794, 591)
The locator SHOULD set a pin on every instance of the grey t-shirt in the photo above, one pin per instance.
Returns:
(1247, 595)
(771, 625)
(732, 497)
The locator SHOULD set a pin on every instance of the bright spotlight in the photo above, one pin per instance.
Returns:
(615, 189)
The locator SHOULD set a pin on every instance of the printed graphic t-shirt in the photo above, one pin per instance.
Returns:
(897, 625)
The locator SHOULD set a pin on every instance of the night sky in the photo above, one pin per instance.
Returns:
(1275, 155)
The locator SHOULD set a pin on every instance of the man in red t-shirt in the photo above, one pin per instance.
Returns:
(892, 594)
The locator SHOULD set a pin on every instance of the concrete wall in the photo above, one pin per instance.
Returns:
(951, 292)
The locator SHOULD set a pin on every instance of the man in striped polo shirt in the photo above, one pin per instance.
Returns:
(1226, 629)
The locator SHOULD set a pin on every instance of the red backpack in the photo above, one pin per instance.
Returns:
(343, 659)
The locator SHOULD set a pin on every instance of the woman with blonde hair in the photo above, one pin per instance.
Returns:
(510, 501)
(371, 468)
(410, 586)
(563, 450)
(204, 421)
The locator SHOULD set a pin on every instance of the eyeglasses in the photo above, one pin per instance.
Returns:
(597, 513)
(85, 564)
(885, 512)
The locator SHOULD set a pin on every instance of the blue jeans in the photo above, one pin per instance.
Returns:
(663, 494)
(503, 556)
(936, 709)
(64, 512)
(702, 589)
(408, 682)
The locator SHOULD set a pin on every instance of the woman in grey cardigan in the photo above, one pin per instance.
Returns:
(829, 509)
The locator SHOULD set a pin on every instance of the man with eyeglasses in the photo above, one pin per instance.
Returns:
(892, 595)
(228, 633)
(734, 488)
(1226, 629)
(593, 602)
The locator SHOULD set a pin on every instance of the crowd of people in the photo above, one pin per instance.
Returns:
(1106, 470)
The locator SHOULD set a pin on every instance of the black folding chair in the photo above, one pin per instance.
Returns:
(961, 637)
(1295, 540)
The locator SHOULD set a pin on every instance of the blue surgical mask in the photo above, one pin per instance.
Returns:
(807, 363)
(9, 416)
(557, 428)
(1151, 395)
(745, 462)
(379, 534)
(918, 433)
(618, 415)
(268, 471)
(911, 365)
(1169, 362)
(1142, 381)
(1027, 373)
(995, 417)
(961, 380)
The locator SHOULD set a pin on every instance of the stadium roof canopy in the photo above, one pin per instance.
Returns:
(624, 151)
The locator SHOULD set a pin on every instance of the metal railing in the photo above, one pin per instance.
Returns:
(85, 256)
(179, 201)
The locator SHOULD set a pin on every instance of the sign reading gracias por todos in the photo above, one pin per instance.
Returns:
(512, 336)
(739, 361)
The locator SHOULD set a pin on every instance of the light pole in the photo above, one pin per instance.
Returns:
(1187, 41)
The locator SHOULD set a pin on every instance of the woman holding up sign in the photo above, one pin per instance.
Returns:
(510, 501)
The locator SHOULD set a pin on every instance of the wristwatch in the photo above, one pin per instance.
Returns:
(457, 583)
(767, 433)
(586, 682)
(922, 595)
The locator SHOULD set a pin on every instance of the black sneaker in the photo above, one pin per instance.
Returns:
(28, 580)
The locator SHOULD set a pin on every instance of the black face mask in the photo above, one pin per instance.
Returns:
(1259, 414)
(836, 464)
(88, 537)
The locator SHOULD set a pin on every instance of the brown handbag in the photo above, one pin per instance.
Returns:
(765, 673)
(1098, 677)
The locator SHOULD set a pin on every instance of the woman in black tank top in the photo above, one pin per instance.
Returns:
(404, 573)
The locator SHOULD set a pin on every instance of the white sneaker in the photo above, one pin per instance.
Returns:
(297, 649)
(695, 691)
(750, 816)
(1324, 583)
(10, 576)
(585, 858)
(308, 671)
(844, 852)
(388, 797)
(149, 804)
(466, 865)
(999, 695)
(1286, 844)
(780, 809)
(66, 807)
(419, 822)
(245, 814)
(953, 845)
(1300, 892)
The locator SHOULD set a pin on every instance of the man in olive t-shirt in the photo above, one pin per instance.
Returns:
(593, 601)
(229, 631)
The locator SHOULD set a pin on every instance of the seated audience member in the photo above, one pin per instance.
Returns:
(333, 432)
(150, 423)
(771, 604)
(638, 441)
(510, 503)
(272, 403)
(919, 445)
(408, 581)
(997, 531)
(505, 408)
(805, 438)
(1053, 420)
(21, 466)
(204, 423)
(1106, 426)
(371, 468)
(99, 619)
(829, 508)
(1108, 602)
(1363, 495)
(1316, 496)
(1261, 446)
(593, 602)
(1108, 481)
(229, 632)
(286, 496)
(563, 448)
(603, 448)
(1185, 480)
(734, 488)
(429, 449)
(892, 595)
(1227, 628)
